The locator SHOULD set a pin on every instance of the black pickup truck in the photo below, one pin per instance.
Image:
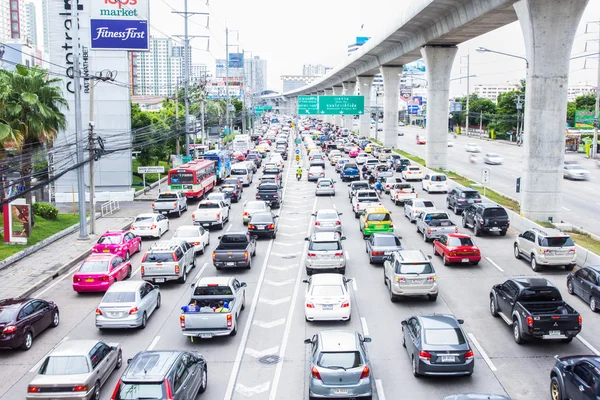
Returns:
(234, 250)
(269, 193)
(535, 309)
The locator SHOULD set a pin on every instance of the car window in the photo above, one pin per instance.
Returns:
(386, 241)
(64, 365)
(39, 305)
(118, 297)
(158, 257)
(559, 241)
(191, 232)
(212, 291)
(540, 295)
(110, 239)
(96, 355)
(327, 290)
(26, 311)
(94, 266)
(470, 195)
(456, 242)
(339, 360)
(262, 218)
(325, 246)
(422, 268)
(381, 217)
(321, 215)
(181, 373)
(495, 212)
(438, 178)
(7, 314)
(144, 219)
(179, 253)
(584, 373)
(444, 336)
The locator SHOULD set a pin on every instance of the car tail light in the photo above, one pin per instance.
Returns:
(214, 256)
(152, 205)
(80, 388)
(317, 223)
(153, 227)
(175, 204)
(143, 270)
(424, 355)
(452, 254)
(311, 255)
(461, 201)
(132, 228)
(182, 321)
(272, 226)
(456, 229)
(315, 373)
(338, 222)
(391, 224)
(250, 226)
(104, 278)
(218, 215)
(33, 389)
(400, 279)
(76, 279)
(168, 391)
(196, 243)
(428, 231)
(469, 355)
(366, 225)
(432, 278)
(134, 310)
(229, 321)
(257, 196)
(572, 251)
(174, 256)
(365, 372)
(339, 254)
(245, 214)
(116, 391)
(246, 255)
(580, 319)
(310, 305)
(9, 329)
(345, 304)
(377, 253)
(98, 311)
(530, 321)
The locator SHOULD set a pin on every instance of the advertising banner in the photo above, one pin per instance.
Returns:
(236, 60)
(417, 100)
(584, 119)
(17, 221)
(119, 25)
(406, 94)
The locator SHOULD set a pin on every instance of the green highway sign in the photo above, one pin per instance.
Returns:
(331, 105)
(308, 105)
(262, 109)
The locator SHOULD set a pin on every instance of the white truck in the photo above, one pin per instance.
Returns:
(170, 203)
(210, 213)
(400, 192)
(208, 318)
(433, 224)
(363, 199)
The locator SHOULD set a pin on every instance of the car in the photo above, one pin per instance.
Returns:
(410, 273)
(435, 182)
(253, 206)
(375, 219)
(234, 181)
(231, 192)
(486, 217)
(327, 220)
(263, 223)
(361, 158)
(354, 151)
(128, 304)
(195, 235)
(412, 172)
(548, 247)
(75, 369)
(575, 377)
(325, 186)
(421, 139)
(121, 243)
(355, 186)
(339, 365)
(460, 198)
(473, 148)
(167, 261)
(340, 164)
(414, 207)
(456, 248)
(327, 298)
(22, 319)
(325, 252)
(575, 172)
(166, 374)
(493, 159)
(389, 182)
(585, 283)
(437, 345)
(381, 244)
(315, 172)
(211, 213)
(99, 271)
(150, 225)
(220, 197)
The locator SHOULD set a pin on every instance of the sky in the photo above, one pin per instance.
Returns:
(291, 33)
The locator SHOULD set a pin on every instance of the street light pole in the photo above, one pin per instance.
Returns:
(597, 109)
(468, 93)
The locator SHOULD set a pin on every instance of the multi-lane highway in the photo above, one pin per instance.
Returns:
(580, 203)
(267, 359)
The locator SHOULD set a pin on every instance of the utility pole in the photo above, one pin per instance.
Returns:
(92, 155)
(468, 94)
(594, 151)
(480, 122)
(83, 234)
(519, 101)
(228, 100)
(177, 135)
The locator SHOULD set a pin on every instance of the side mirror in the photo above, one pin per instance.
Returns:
(404, 323)
(307, 239)
(460, 321)
(314, 214)
(429, 257)
(305, 281)
(348, 280)
(219, 237)
(307, 341)
(520, 235)
(343, 238)
(129, 361)
(367, 340)
(340, 213)
(243, 284)
(276, 216)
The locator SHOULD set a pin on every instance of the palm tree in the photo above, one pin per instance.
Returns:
(30, 113)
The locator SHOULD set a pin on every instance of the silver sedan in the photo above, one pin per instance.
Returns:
(328, 220)
(325, 186)
(128, 304)
(493, 159)
(575, 172)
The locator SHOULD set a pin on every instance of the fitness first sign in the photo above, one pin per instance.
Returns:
(119, 25)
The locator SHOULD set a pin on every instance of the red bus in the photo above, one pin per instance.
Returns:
(194, 179)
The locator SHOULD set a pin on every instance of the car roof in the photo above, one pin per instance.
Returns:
(327, 210)
(338, 340)
(125, 286)
(326, 279)
(150, 365)
(147, 215)
(114, 233)
(463, 189)
(165, 245)
(458, 235)
(99, 257)
(376, 209)
(14, 302)
(74, 348)
(413, 256)
(594, 268)
(533, 282)
(438, 321)
(325, 236)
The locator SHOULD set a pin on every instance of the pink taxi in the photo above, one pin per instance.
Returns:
(354, 152)
(122, 243)
(99, 271)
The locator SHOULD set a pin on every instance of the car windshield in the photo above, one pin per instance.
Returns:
(382, 217)
(327, 290)
(187, 232)
(470, 195)
(261, 218)
(359, 186)
(495, 213)
(255, 206)
(321, 215)
(456, 242)
(110, 239)
(339, 360)
(64, 365)
(325, 246)
(145, 219)
(448, 337)
(7, 314)
(559, 241)
(146, 391)
(436, 216)
(413, 269)
(159, 257)
(118, 297)
(94, 266)
(385, 241)
(204, 206)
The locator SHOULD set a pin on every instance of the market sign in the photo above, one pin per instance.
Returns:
(120, 25)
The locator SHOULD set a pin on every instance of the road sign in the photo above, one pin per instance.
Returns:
(297, 151)
(485, 176)
(151, 170)
(308, 105)
(413, 109)
(297, 157)
(341, 105)
(518, 185)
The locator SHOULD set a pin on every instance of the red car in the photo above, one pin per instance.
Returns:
(23, 319)
(99, 271)
(122, 243)
(457, 248)
(421, 139)
(238, 156)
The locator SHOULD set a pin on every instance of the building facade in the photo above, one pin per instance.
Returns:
(293, 82)
(31, 26)
(314, 70)
(492, 91)
(14, 23)
(574, 91)
(253, 73)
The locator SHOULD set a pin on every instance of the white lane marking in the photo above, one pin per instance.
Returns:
(379, 386)
(153, 344)
(250, 391)
(494, 264)
(288, 325)
(290, 234)
(365, 328)
(588, 345)
(270, 324)
(274, 302)
(347, 255)
(40, 294)
(354, 285)
(258, 354)
(483, 353)
(279, 283)
(278, 268)
(285, 254)
(334, 206)
(37, 365)
(229, 228)
(286, 244)
(566, 209)
(201, 271)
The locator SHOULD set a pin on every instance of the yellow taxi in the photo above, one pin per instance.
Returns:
(262, 150)
(376, 219)
(370, 147)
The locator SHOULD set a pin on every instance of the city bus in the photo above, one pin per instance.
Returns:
(222, 159)
(195, 178)
(242, 143)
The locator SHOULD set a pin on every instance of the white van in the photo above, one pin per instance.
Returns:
(242, 171)
(435, 183)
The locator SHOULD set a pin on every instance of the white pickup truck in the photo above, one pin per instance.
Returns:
(207, 318)
(433, 224)
(400, 192)
(211, 212)
(363, 199)
(170, 202)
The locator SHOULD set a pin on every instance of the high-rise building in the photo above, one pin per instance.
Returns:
(492, 91)
(13, 20)
(256, 74)
(293, 82)
(46, 33)
(581, 89)
(198, 73)
(157, 72)
(30, 14)
(314, 70)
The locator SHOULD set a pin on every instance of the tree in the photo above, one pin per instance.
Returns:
(571, 108)
(31, 113)
(477, 106)
(586, 102)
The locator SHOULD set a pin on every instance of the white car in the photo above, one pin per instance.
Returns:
(435, 183)
(252, 206)
(150, 225)
(493, 159)
(414, 207)
(196, 236)
(315, 173)
(412, 173)
(278, 160)
(219, 197)
(211, 213)
(362, 158)
(327, 298)
(473, 148)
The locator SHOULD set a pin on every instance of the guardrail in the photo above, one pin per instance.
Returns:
(110, 207)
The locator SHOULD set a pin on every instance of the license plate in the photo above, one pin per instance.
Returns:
(205, 224)
(340, 391)
(206, 336)
(470, 201)
(260, 227)
(447, 359)
(495, 229)
(115, 314)
(554, 333)
(560, 253)
(465, 260)
(387, 253)
(327, 306)
(106, 251)
(230, 264)
(159, 280)
(417, 281)
(89, 280)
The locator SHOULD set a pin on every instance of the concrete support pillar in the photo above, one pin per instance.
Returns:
(328, 118)
(438, 61)
(337, 119)
(364, 88)
(391, 87)
(549, 30)
(349, 90)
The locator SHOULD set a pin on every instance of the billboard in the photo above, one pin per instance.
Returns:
(17, 221)
(119, 25)
(415, 67)
(584, 119)
(362, 40)
(406, 94)
(236, 60)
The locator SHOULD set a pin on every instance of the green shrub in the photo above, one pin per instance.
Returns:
(45, 210)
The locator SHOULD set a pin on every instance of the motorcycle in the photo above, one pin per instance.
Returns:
(298, 176)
